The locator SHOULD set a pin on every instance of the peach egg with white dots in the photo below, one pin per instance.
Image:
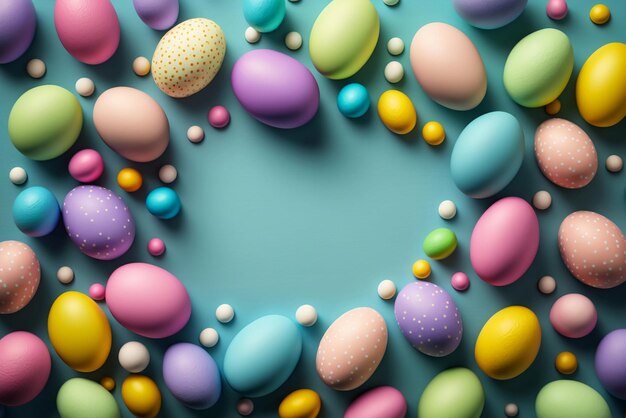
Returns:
(19, 276)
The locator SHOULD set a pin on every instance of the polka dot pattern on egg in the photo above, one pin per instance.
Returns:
(19, 276)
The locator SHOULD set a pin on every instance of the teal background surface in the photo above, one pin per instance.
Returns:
(274, 219)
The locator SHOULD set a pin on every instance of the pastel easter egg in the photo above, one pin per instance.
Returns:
(45, 122)
(539, 67)
(571, 399)
(573, 315)
(19, 276)
(601, 86)
(453, 393)
(592, 248)
(159, 14)
(188, 57)
(504, 241)
(148, 300)
(98, 222)
(132, 123)
(448, 66)
(489, 14)
(142, 396)
(86, 166)
(18, 21)
(264, 15)
(79, 331)
(379, 402)
(343, 37)
(36, 211)
(277, 345)
(192, 376)
(88, 29)
(508, 343)
(302, 403)
(163, 202)
(396, 112)
(440, 243)
(275, 88)
(353, 100)
(25, 364)
(351, 349)
(429, 319)
(487, 154)
(80, 398)
(610, 363)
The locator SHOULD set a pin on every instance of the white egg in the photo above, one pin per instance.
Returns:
(546, 285)
(168, 174)
(614, 163)
(252, 35)
(293, 41)
(36, 68)
(134, 357)
(195, 134)
(18, 176)
(447, 209)
(65, 274)
(394, 72)
(542, 200)
(224, 313)
(85, 87)
(395, 46)
(511, 410)
(386, 289)
(306, 315)
(209, 337)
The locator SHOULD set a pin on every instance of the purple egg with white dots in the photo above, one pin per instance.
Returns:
(429, 319)
(98, 221)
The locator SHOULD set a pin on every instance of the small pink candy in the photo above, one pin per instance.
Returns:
(97, 291)
(156, 247)
(245, 407)
(556, 9)
(460, 281)
(219, 117)
(86, 166)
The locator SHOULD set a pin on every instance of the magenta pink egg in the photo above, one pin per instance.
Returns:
(156, 247)
(504, 241)
(573, 315)
(380, 402)
(19, 276)
(219, 117)
(97, 291)
(556, 9)
(86, 166)
(148, 300)
(460, 281)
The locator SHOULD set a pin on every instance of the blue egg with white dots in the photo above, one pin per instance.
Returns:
(264, 15)
(163, 203)
(36, 211)
(353, 100)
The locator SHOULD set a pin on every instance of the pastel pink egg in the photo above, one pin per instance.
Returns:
(380, 402)
(351, 349)
(460, 281)
(156, 247)
(504, 241)
(148, 300)
(573, 315)
(592, 248)
(97, 291)
(565, 153)
(19, 276)
(88, 29)
(218, 117)
(86, 166)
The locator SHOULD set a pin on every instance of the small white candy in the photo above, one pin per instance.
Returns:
(394, 72)
(391, 2)
(18, 176)
(293, 40)
(542, 200)
(546, 285)
(306, 315)
(195, 134)
(511, 410)
(65, 274)
(85, 87)
(614, 163)
(252, 35)
(224, 313)
(36, 68)
(209, 337)
(395, 46)
(447, 209)
(134, 357)
(386, 289)
(168, 174)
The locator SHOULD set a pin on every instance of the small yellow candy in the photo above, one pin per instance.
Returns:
(553, 108)
(433, 133)
(421, 269)
(599, 14)
(397, 112)
(141, 396)
(566, 362)
(108, 383)
(129, 179)
(302, 403)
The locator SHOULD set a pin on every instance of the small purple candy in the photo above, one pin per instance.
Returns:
(611, 363)
(158, 14)
(18, 22)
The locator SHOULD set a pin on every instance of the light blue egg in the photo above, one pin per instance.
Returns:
(163, 203)
(36, 211)
(488, 154)
(264, 15)
(263, 355)
(353, 100)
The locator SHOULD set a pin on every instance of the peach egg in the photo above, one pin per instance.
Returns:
(19, 276)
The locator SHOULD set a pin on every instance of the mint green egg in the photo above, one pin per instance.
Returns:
(343, 37)
(570, 399)
(453, 393)
(539, 67)
(45, 122)
(80, 398)
(440, 243)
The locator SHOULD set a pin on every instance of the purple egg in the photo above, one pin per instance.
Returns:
(275, 88)
(429, 319)
(611, 363)
(192, 376)
(489, 14)
(18, 22)
(98, 222)
(158, 14)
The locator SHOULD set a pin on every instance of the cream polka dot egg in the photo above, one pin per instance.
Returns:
(19, 276)
(188, 57)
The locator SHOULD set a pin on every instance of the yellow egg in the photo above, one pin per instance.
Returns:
(79, 331)
(508, 343)
(129, 179)
(566, 362)
(599, 14)
(421, 269)
(433, 133)
(141, 396)
(108, 383)
(553, 108)
(601, 86)
(303, 403)
(397, 112)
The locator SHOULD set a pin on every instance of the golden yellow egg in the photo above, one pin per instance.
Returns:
(108, 383)
(566, 362)
(553, 108)
(129, 179)
(421, 269)
(397, 112)
(599, 14)
(302, 403)
(433, 133)
(141, 396)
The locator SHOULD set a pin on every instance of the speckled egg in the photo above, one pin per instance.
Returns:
(592, 248)
(158, 14)
(351, 349)
(98, 222)
(18, 21)
(453, 393)
(188, 57)
(571, 399)
(379, 402)
(19, 276)
(429, 319)
(565, 153)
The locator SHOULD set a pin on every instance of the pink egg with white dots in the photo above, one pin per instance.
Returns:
(19, 276)
(86, 166)
(98, 221)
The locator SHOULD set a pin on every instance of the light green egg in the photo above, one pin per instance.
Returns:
(570, 399)
(440, 243)
(453, 393)
(45, 122)
(343, 37)
(82, 398)
(539, 67)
